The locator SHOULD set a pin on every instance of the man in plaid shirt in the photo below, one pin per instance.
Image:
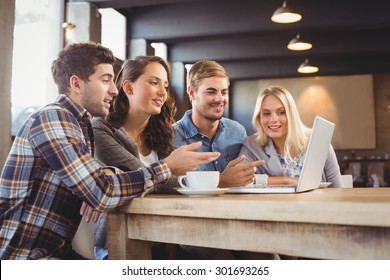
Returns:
(50, 170)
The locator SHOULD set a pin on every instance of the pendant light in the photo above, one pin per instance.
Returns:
(306, 68)
(297, 44)
(285, 15)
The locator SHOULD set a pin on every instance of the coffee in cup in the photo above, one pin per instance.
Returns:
(199, 180)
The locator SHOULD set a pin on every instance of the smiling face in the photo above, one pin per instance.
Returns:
(149, 92)
(273, 118)
(211, 98)
(98, 91)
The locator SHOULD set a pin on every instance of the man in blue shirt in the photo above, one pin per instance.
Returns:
(207, 88)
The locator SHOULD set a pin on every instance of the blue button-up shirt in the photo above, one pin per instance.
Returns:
(227, 140)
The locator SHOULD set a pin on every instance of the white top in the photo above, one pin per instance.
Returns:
(149, 159)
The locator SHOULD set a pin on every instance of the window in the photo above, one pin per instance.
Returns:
(114, 32)
(38, 37)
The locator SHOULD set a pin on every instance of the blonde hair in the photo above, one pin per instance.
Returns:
(297, 133)
(205, 69)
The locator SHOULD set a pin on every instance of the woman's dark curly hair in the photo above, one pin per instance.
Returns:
(158, 134)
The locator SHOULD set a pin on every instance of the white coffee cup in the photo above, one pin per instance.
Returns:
(200, 180)
(261, 179)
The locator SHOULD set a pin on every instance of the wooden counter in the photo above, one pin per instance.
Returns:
(324, 223)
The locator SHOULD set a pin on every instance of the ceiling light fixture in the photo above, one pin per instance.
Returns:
(297, 44)
(306, 68)
(285, 15)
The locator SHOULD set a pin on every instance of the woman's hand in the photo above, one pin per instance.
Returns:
(282, 180)
(185, 158)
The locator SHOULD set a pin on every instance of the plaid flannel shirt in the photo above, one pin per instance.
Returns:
(49, 171)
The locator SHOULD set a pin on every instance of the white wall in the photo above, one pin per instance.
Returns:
(348, 101)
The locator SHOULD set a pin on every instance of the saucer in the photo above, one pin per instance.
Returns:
(324, 185)
(202, 192)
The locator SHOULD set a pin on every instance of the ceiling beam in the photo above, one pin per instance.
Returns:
(287, 67)
(348, 36)
(117, 4)
(190, 19)
(275, 45)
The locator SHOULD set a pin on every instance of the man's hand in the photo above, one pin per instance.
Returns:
(185, 158)
(89, 212)
(238, 174)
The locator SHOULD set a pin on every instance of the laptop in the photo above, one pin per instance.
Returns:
(313, 163)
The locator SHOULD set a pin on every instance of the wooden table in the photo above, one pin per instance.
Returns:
(324, 223)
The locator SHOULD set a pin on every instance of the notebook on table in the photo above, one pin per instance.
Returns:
(313, 163)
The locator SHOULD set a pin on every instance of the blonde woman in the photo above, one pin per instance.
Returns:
(281, 138)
